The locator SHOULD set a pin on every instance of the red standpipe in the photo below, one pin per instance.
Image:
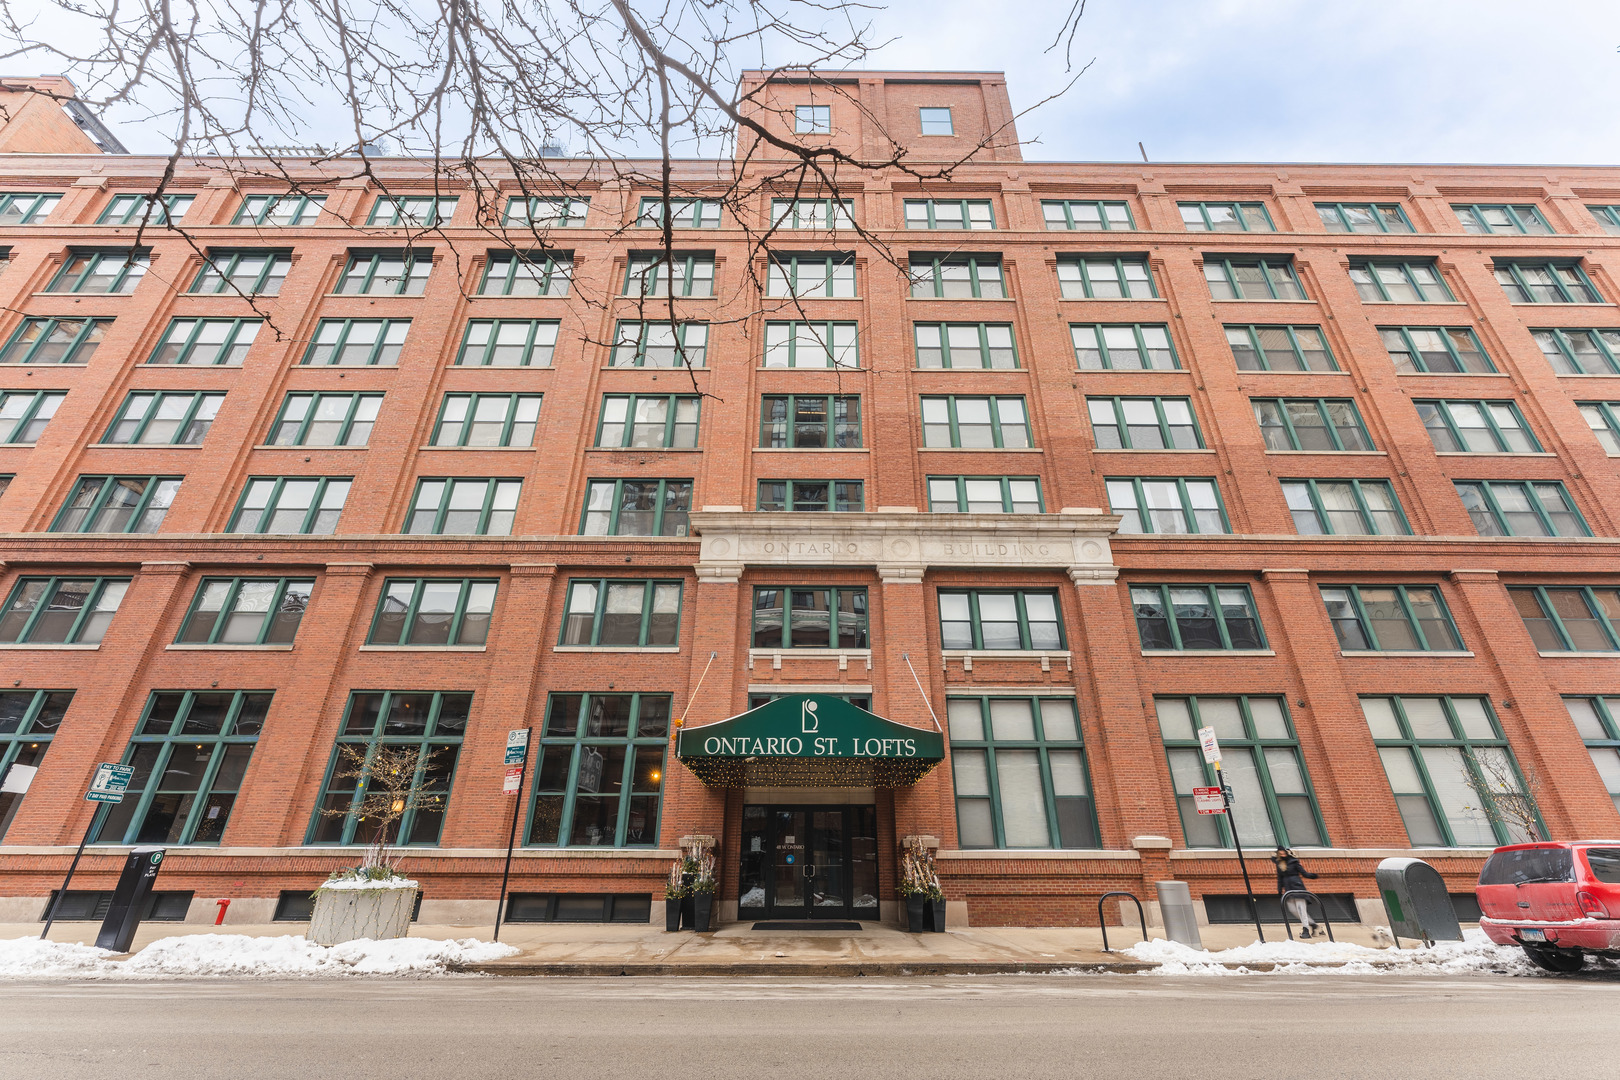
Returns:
(223, 904)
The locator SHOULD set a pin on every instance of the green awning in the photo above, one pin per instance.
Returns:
(809, 740)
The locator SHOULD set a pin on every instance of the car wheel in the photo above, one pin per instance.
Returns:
(1563, 961)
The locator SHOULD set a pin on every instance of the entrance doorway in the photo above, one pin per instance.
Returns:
(808, 862)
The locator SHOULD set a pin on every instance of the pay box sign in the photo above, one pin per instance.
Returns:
(110, 783)
(1207, 800)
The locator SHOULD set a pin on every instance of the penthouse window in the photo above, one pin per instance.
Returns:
(1521, 508)
(648, 420)
(190, 752)
(984, 495)
(1607, 216)
(1242, 278)
(357, 342)
(1390, 618)
(957, 277)
(476, 420)
(812, 119)
(1280, 348)
(949, 214)
(603, 613)
(117, 504)
(812, 345)
(105, 272)
(1144, 424)
(1476, 427)
(246, 611)
(1604, 419)
(29, 720)
(1546, 282)
(1435, 350)
(1580, 352)
(965, 345)
(1363, 218)
(428, 727)
(803, 617)
(976, 423)
(1166, 504)
(1197, 617)
(683, 213)
(1131, 347)
(508, 343)
(468, 506)
(386, 273)
(177, 418)
(600, 773)
(325, 420)
(60, 610)
(1523, 219)
(291, 504)
(688, 273)
(813, 213)
(1325, 424)
(1225, 217)
(283, 211)
(1105, 278)
(26, 207)
(1597, 720)
(24, 414)
(251, 273)
(811, 274)
(811, 496)
(1578, 618)
(1400, 283)
(433, 611)
(206, 342)
(1019, 772)
(545, 212)
(1083, 215)
(1345, 508)
(637, 508)
(145, 209)
(1000, 620)
(537, 273)
(55, 341)
(810, 422)
(660, 344)
(935, 121)
(411, 211)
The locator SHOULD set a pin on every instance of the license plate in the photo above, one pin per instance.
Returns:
(1532, 935)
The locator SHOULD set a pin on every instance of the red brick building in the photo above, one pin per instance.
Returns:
(1321, 456)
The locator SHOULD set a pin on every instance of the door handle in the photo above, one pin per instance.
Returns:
(809, 871)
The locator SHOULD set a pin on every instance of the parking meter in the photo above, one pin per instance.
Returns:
(129, 899)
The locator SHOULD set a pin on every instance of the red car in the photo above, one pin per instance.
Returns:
(1558, 900)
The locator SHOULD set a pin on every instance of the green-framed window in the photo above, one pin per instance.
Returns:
(812, 496)
(487, 420)
(1086, 215)
(630, 614)
(254, 273)
(463, 506)
(325, 419)
(411, 211)
(546, 212)
(1390, 618)
(1435, 350)
(24, 414)
(600, 774)
(812, 345)
(957, 277)
(246, 611)
(949, 214)
(637, 508)
(860, 701)
(164, 418)
(1123, 347)
(935, 120)
(1399, 282)
(1225, 217)
(812, 119)
(433, 611)
(60, 610)
(810, 421)
(1546, 282)
(1570, 618)
(1000, 619)
(976, 423)
(813, 213)
(810, 617)
(26, 208)
(206, 342)
(1603, 417)
(1143, 423)
(1439, 753)
(1477, 427)
(1167, 504)
(532, 273)
(104, 272)
(29, 720)
(809, 274)
(649, 273)
(429, 723)
(1363, 218)
(1252, 278)
(508, 343)
(1522, 219)
(1105, 277)
(1597, 720)
(285, 211)
(1607, 216)
(684, 213)
(386, 273)
(965, 345)
(1327, 424)
(1019, 771)
(129, 209)
(54, 341)
(190, 751)
(660, 344)
(1272, 798)
(1345, 508)
(1581, 352)
(1521, 508)
(117, 504)
(1280, 348)
(309, 505)
(1181, 617)
(357, 343)
(985, 495)
(649, 420)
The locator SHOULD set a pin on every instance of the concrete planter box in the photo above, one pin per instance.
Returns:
(351, 914)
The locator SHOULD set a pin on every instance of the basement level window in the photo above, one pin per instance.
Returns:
(579, 907)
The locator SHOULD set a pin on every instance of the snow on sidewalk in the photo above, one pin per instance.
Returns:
(1475, 954)
(206, 955)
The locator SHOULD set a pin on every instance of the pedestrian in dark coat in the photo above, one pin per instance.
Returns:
(1291, 875)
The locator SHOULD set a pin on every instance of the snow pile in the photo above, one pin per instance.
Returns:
(1475, 954)
(205, 955)
(357, 884)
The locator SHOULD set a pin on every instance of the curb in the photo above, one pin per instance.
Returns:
(889, 968)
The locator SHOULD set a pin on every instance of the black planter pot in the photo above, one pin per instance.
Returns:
(688, 917)
(703, 911)
(672, 914)
(916, 920)
(936, 916)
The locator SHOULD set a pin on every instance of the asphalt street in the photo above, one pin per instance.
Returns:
(1318, 1027)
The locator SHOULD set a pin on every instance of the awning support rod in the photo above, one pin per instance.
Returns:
(907, 658)
(699, 686)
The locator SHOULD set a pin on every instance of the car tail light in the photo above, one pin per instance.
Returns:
(1591, 905)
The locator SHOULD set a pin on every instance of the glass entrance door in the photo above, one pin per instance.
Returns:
(808, 862)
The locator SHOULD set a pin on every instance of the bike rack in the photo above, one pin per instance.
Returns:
(1104, 925)
(1309, 896)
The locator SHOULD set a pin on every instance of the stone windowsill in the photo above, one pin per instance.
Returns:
(482, 449)
(1003, 654)
(304, 447)
(1307, 854)
(1404, 652)
(1153, 450)
(144, 446)
(1335, 453)
(1258, 300)
(1457, 374)
(980, 450)
(975, 370)
(812, 654)
(59, 648)
(1494, 453)
(228, 648)
(811, 450)
(1209, 652)
(624, 449)
(1041, 855)
(1562, 653)
(423, 648)
(617, 648)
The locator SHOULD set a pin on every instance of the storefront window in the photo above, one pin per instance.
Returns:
(600, 774)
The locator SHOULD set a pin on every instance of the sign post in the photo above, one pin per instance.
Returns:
(106, 786)
(1212, 756)
(517, 765)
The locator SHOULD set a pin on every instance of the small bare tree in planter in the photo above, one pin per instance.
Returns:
(374, 900)
(1507, 796)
